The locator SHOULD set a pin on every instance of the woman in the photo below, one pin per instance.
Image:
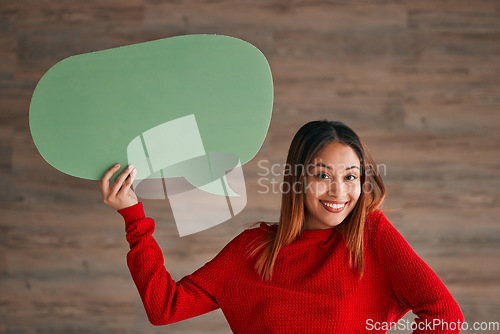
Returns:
(332, 264)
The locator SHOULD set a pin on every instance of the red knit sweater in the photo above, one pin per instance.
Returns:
(313, 289)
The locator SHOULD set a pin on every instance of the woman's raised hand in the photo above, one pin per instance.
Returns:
(120, 195)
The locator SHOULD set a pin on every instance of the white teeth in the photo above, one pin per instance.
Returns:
(334, 206)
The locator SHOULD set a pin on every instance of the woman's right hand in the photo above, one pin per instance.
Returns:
(120, 195)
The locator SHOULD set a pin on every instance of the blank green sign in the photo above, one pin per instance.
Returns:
(87, 109)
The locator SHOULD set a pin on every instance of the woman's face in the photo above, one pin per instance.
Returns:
(333, 186)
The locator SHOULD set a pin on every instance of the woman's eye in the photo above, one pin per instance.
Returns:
(322, 176)
(351, 177)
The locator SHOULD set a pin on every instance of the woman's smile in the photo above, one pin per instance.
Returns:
(334, 206)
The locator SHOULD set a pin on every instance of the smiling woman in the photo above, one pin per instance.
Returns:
(332, 189)
(330, 165)
(332, 264)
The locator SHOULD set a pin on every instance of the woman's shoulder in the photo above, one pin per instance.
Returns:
(378, 227)
(253, 231)
(250, 237)
(256, 229)
(375, 221)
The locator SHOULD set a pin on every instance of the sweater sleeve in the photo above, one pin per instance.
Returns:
(165, 300)
(416, 285)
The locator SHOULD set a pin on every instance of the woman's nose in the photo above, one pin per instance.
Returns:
(337, 189)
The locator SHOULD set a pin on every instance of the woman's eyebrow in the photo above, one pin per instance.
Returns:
(329, 167)
(322, 165)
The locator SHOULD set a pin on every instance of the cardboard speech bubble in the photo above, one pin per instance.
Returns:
(87, 109)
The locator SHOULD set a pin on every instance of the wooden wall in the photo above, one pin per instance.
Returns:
(419, 81)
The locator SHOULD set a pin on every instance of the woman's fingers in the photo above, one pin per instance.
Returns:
(104, 182)
(121, 179)
(126, 187)
(120, 195)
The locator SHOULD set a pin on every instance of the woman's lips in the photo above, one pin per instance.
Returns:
(334, 206)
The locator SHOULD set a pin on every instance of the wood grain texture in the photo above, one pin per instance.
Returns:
(418, 80)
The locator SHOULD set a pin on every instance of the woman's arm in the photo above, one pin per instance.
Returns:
(416, 285)
(165, 300)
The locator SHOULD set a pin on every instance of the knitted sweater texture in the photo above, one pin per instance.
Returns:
(313, 289)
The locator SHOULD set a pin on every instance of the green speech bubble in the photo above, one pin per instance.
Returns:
(88, 108)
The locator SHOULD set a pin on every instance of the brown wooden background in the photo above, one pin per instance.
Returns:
(419, 80)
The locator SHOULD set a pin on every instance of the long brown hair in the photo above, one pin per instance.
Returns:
(307, 143)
